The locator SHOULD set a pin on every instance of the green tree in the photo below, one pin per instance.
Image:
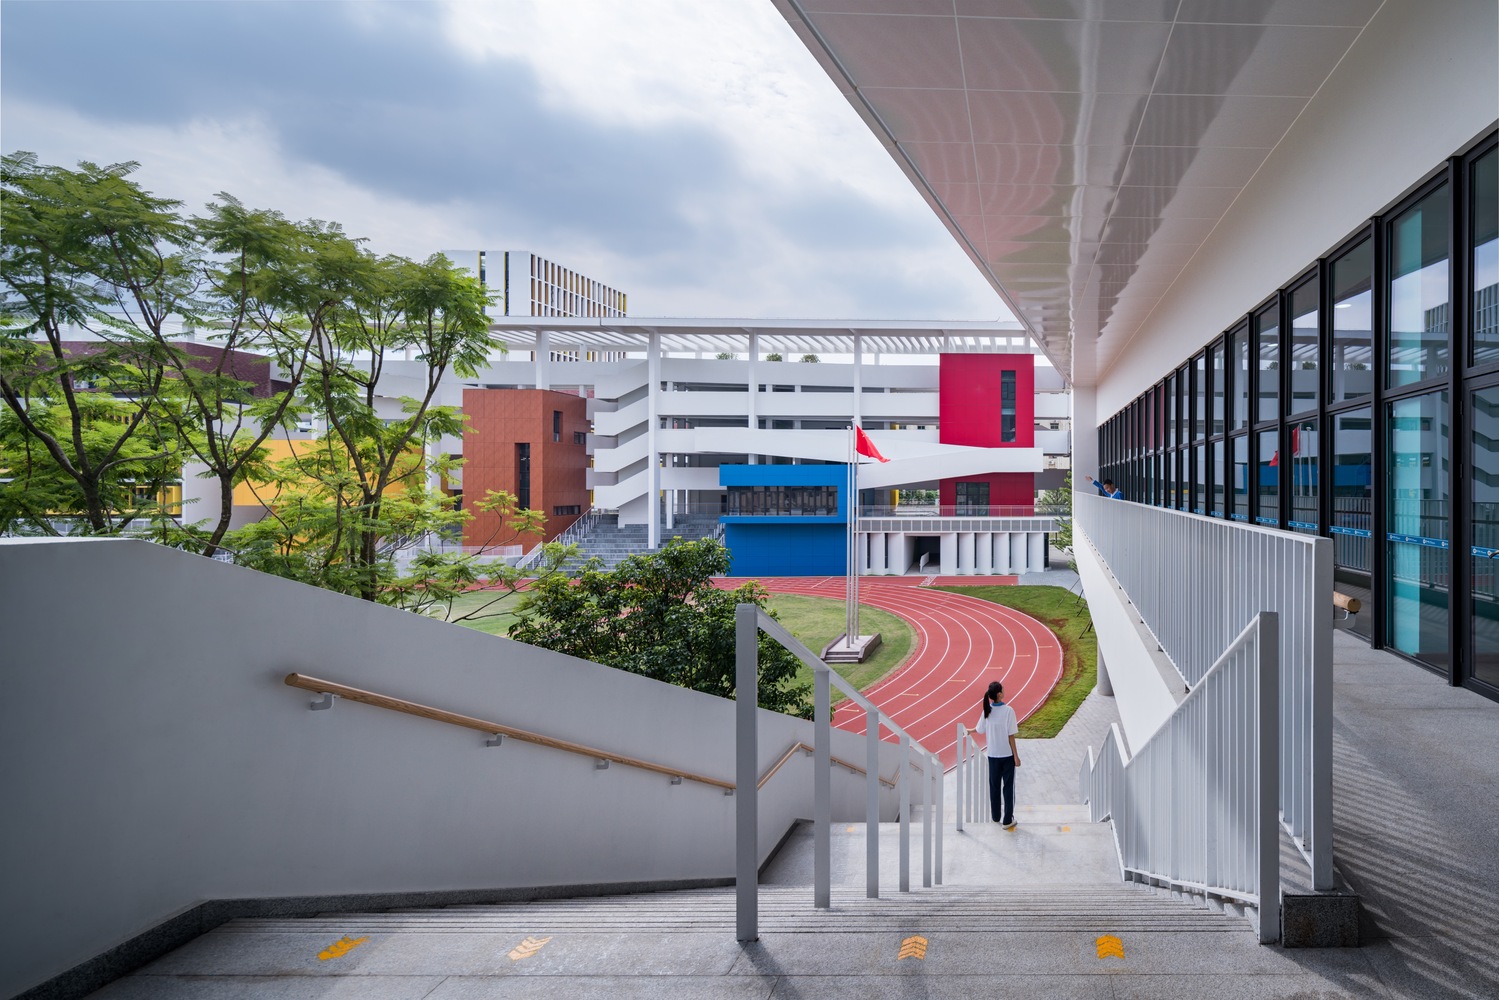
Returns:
(774, 357)
(86, 254)
(660, 615)
(1058, 502)
(811, 359)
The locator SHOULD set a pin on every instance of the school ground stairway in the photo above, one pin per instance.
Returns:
(360, 853)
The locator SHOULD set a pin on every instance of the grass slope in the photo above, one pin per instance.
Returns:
(817, 621)
(1059, 610)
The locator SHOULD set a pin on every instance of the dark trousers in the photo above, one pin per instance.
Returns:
(1002, 788)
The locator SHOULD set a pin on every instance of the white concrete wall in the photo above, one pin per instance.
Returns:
(1137, 669)
(152, 758)
(1419, 83)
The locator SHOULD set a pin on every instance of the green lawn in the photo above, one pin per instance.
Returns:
(493, 607)
(817, 621)
(1059, 610)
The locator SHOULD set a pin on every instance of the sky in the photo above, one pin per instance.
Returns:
(690, 153)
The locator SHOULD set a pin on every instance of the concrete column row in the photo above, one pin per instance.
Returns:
(963, 553)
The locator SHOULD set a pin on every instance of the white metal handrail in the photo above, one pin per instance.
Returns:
(575, 532)
(971, 777)
(1195, 807)
(750, 621)
(1195, 582)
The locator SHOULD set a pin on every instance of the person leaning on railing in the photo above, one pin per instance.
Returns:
(1107, 488)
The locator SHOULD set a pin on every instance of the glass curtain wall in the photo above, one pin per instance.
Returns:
(1333, 408)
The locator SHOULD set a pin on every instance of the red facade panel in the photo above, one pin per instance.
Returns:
(551, 424)
(969, 399)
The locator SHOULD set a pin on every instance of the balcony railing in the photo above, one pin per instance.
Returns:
(1195, 582)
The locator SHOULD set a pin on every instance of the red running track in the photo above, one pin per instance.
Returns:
(962, 643)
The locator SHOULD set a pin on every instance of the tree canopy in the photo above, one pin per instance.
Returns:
(659, 615)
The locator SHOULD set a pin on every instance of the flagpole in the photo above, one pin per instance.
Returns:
(849, 584)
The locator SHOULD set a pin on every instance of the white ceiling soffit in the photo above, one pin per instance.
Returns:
(1081, 151)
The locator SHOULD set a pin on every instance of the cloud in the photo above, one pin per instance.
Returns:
(691, 154)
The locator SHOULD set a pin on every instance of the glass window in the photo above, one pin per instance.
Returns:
(1353, 508)
(1199, 481)
(1301, 476)
(1006, 406)
(1199, 397)
(1419, 309)
(1266, 327)
(1215, 365)
(1305, 354)
(973, 499)
(1238, 353)
(1416, 527)
(1485, 223)
(1353, 324)
(1170, 411)
(1238, 480)
(1267, 489)
(1484, 442)
(1215, 484)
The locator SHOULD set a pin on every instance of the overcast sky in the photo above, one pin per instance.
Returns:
(690, 153)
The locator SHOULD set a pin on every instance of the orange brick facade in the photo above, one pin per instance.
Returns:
(553, 425)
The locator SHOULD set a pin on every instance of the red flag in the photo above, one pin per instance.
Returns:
(866, 447)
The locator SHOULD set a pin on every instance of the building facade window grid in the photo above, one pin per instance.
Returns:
(1294, 430)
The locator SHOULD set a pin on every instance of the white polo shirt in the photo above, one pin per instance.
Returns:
(997, 729)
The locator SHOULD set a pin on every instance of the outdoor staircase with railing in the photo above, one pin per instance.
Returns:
(611, 542)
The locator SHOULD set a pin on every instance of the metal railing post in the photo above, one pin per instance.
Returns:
(747, 751)
(958, 773)
(822, 792)
(872, 804)
(926, 822)
(1267, 806)
(905, 814)
(940, 778)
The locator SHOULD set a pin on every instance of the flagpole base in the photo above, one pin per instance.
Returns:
(840, 650)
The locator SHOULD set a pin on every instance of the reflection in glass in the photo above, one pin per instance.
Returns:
(1301, 476)
(1218, 390)
(1416, 527)
(1353, 508)
(1266, 327)
(1485, 514)
(1238, 352)
(1485, 317)
(1238, 480)
(1353, 324)
(1171, 409)
(1215, 486)
(1200, 481)
(1304, 358)
(1199, 397)
(1267, 476)
(1419, 310)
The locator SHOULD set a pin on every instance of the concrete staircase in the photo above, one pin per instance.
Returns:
(611, 542)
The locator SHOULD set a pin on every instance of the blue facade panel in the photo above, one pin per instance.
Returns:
(789, 545)
(785, 549)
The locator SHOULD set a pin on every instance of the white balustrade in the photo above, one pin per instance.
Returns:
(1195, 582)
(1195, 808)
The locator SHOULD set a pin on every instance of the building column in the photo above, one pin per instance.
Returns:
(754, 385)
(965, 553)
(670, 496)
(1036, 557)
(949, 563)
(652, 426)
(1105, 686)
(877, 553)
(896, 562)
(983, 553)
(543, 359)
(1017, 552)
(858, 381)
(1084, 434)
(1002, 552)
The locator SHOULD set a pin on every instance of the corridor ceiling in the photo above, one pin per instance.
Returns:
(1081, 151)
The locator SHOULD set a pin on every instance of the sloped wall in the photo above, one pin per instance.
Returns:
(151, 757)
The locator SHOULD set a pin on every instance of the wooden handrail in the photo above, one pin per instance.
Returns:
(792, 751)
(1347, 602)
(319, 686)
